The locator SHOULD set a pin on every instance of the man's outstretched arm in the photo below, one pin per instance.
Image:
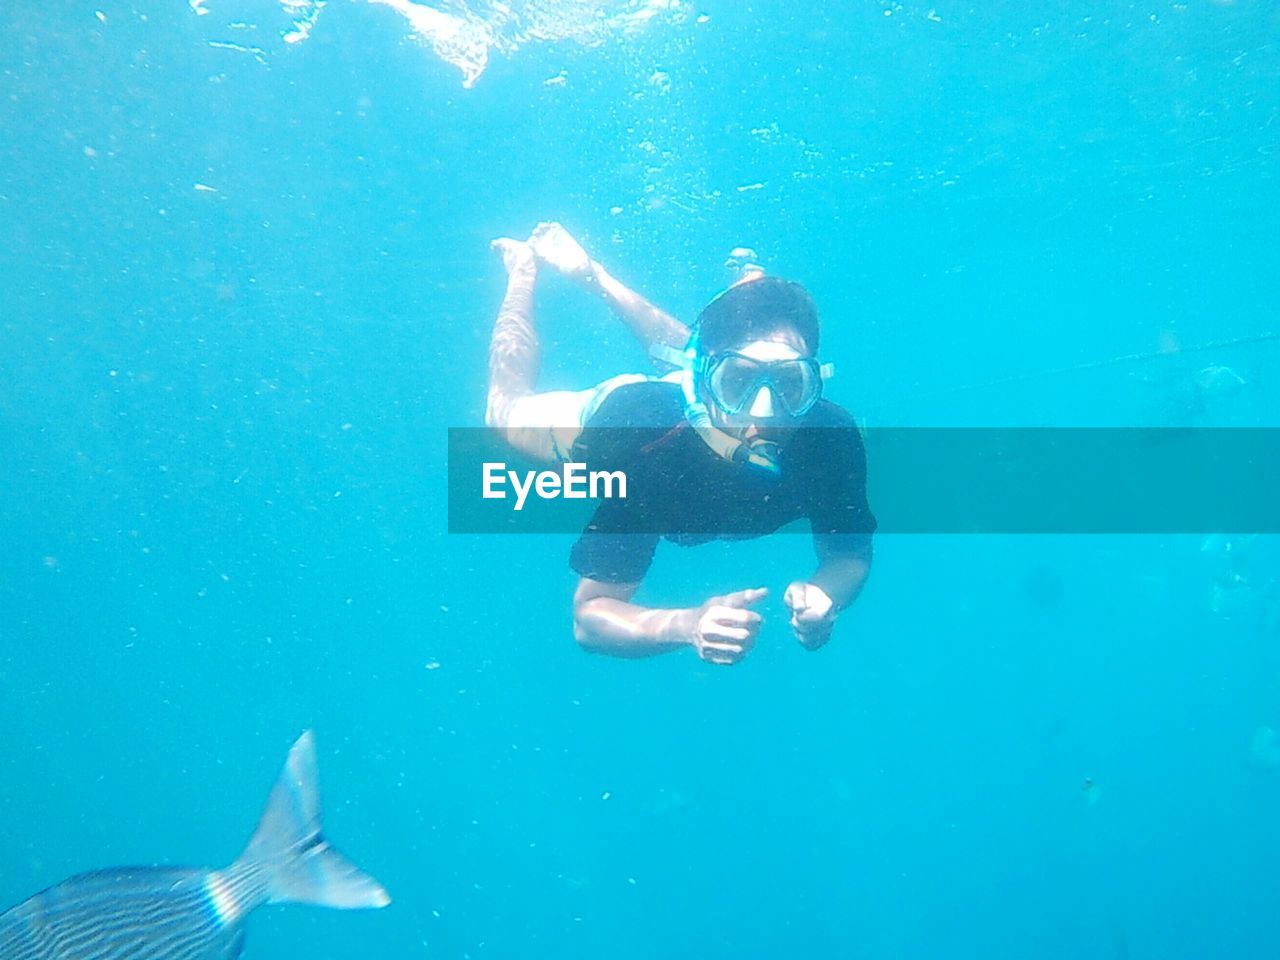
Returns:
(722, 630)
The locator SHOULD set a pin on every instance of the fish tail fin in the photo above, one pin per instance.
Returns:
(289, 848)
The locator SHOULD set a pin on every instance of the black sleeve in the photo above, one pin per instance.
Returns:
(612, 557)
(839, 513)
(613, 439)
(609, 549)
(629, 417)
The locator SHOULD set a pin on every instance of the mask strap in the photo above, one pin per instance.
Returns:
(669, 354)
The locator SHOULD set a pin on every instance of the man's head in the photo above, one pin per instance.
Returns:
(756, 347)
(759, 308)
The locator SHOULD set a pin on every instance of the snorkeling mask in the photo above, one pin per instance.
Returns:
(733, 381)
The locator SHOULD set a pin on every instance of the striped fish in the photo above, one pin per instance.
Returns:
(171, 913)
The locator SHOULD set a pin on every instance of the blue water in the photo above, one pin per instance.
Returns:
(223, 420)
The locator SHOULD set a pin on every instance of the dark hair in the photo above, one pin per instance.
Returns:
(754, 309)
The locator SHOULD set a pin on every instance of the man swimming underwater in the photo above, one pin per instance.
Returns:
(741, 421)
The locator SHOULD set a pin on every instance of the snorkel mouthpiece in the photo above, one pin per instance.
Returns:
(761, 454)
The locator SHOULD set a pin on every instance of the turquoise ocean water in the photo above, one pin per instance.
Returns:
(247, 288)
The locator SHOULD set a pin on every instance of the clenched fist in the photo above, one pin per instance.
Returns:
(813, 614)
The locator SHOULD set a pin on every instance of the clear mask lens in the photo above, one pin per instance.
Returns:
(734, 382)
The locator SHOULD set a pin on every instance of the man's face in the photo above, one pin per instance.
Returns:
(762, 413)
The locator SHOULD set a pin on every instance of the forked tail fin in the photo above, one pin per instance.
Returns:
(290, 848)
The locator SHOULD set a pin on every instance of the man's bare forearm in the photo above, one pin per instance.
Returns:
(621, 629)
(841, 578)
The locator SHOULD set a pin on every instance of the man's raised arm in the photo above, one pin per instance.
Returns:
(722, 630)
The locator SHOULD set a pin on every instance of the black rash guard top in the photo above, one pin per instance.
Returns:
(678, 488)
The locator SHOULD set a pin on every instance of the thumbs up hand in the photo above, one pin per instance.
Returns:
(725, 629)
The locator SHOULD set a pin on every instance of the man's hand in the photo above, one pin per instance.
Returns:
(724, 630)
(813, 614)
(555, 247)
